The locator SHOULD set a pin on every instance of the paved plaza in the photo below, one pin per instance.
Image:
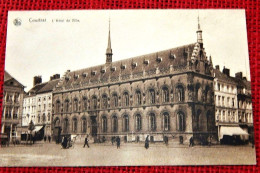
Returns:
(50, 154)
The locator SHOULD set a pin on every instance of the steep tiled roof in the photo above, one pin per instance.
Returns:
(223, 77)
(176, 57)
(7, 77)
(48, 87)
(37, 87)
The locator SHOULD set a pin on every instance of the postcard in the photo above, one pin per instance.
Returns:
(127, 87)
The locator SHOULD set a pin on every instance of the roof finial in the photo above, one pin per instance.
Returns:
(198, 21)
(109, 49)
(199, 32)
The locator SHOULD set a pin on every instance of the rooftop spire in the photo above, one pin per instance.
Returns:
(199, 32)
(109, 49)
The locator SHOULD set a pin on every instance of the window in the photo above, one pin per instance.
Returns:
(114, 124)
(126, 99)
(43, 118)
(126, 123)
(151, 96)
(76, 105)
(66, 105)
(233, 102)
(138, 122)
(138, 97)
(115, 100)
(152, 122)
(165, 94)
(85, 103)
(181, 121)
(44, 107)
(166, 121)
(84, 125)
(15, 113)
(66, 125)
(104, 124)
(218, 86)
(57, 106)
(74, 125)
(39, 118)
(223, 101)
(49, 116)
(94, 102)
(228, 100)
(104, 101)
(180, 93)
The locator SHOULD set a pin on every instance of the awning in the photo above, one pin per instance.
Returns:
(230, 131)
(37, 128)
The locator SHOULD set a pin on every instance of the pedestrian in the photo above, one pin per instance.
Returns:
(118, 142)
(191, 142)
(146, 144)
(86, 142)
(209, 140)
(49, 138)
(45, 138)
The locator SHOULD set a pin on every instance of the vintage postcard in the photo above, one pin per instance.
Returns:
(127, 87)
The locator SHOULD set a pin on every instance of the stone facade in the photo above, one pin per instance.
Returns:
(12, 106)
(164, 94)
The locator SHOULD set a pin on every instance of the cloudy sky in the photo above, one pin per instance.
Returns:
(50, 47)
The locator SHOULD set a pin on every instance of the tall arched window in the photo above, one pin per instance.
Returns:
(57, 122)
(43, 118)
(49, 116)
(166, 121)
(58, 106)
(152, 122)
(104, 101)
(210, 121)
(66, 105)
(104, 124)
(84, 125)
(138, 122)
(94, 102)
(198, 119)
(151, 96)
(180, 93)
(66, 125)
(180, 121)
(39, 118)
(126, 123)
(76, 105)
(165, 94)
(115, 99)
(138, 97)
(126, 99)
(114, 124)
(74, 125)
(85, 103)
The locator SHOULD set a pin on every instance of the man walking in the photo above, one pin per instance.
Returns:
(118, 142)
(86, 142)
(191, 142)
(146, 145)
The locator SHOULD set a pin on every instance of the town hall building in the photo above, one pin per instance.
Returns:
(166, 94)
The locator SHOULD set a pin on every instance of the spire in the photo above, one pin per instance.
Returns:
(109, 49)
(199, 32)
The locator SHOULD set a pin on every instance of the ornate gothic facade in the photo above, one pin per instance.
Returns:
(164, 94)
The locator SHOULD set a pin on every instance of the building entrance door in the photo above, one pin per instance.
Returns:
(93, 120)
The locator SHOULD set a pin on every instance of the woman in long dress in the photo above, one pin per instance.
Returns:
(146, 145)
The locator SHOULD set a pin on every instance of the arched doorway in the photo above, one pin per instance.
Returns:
(57, 130)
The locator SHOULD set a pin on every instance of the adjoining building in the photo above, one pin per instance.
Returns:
(233, 106)
(38, 104)
(166, 94)
(12, 106)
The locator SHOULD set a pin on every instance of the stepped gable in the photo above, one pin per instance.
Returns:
(176, 57)
(48, 87)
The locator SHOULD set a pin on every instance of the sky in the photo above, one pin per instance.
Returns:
(80, 41)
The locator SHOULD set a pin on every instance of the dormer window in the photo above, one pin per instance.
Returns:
(84, 75)
(67, 79)
(103, 71)
(146, 62)
(172, 56)
(123, 67)
(159, 59)
(113, 69)
(134, 64)
(76, 77)
(93, 73)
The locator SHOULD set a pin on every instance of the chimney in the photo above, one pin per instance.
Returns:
(55, 76)
(239, 75)
(244, 78)
(226, 71)
(217, 67)
(37, 80)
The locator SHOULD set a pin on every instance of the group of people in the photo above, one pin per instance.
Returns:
(117, 140)
(47, 137)
(66, 142)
